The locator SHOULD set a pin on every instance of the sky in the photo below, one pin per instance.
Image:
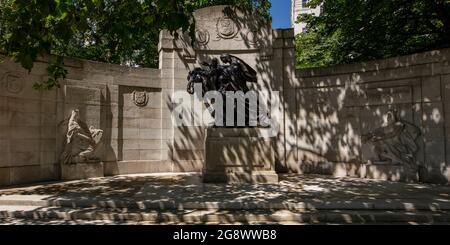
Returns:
(281, 13)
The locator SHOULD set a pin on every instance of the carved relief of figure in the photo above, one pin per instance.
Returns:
(81, 142)
(395, 141)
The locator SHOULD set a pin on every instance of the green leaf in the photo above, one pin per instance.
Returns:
(27, 62)
(123, 32)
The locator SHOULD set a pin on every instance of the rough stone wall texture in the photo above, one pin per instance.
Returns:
(324, 111)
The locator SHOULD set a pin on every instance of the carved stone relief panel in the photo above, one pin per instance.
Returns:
(81, 141)
(393, 142)
(221, 29)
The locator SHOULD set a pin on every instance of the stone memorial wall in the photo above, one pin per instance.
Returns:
(386, 119)
(343, 125)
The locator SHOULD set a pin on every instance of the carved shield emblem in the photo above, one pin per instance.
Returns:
(226, 28)
(12, 83)
(140, 98)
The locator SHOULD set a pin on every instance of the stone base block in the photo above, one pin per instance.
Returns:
(82, 171)
(239, 155)
(241, 177)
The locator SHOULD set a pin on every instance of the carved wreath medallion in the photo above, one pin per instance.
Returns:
(140, 98)
(226, 28)
(252, 38)
(202, 37)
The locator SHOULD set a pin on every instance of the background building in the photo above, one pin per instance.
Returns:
(299, 7)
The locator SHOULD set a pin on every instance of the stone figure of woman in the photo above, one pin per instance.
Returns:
(81, 141)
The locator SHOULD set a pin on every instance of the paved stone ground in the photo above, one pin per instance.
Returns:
(188, 187)
(294, 193)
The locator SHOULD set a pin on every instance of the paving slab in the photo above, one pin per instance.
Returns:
(187, 192)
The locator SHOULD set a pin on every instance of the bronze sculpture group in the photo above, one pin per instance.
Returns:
(230, 76)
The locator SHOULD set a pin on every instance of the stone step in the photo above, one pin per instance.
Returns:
(305, 205)
(222, 216)
(107, 222)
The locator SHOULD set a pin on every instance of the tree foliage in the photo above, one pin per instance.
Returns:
(359, 30)
(115, 31)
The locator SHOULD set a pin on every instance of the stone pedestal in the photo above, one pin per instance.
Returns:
(239, 155)
(82, 171)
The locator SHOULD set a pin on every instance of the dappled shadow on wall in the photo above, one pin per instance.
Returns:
(342, 121)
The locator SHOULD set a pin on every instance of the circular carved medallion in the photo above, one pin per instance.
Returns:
(140, 98)
(226, 28)
(252, 38)
(202, 37)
